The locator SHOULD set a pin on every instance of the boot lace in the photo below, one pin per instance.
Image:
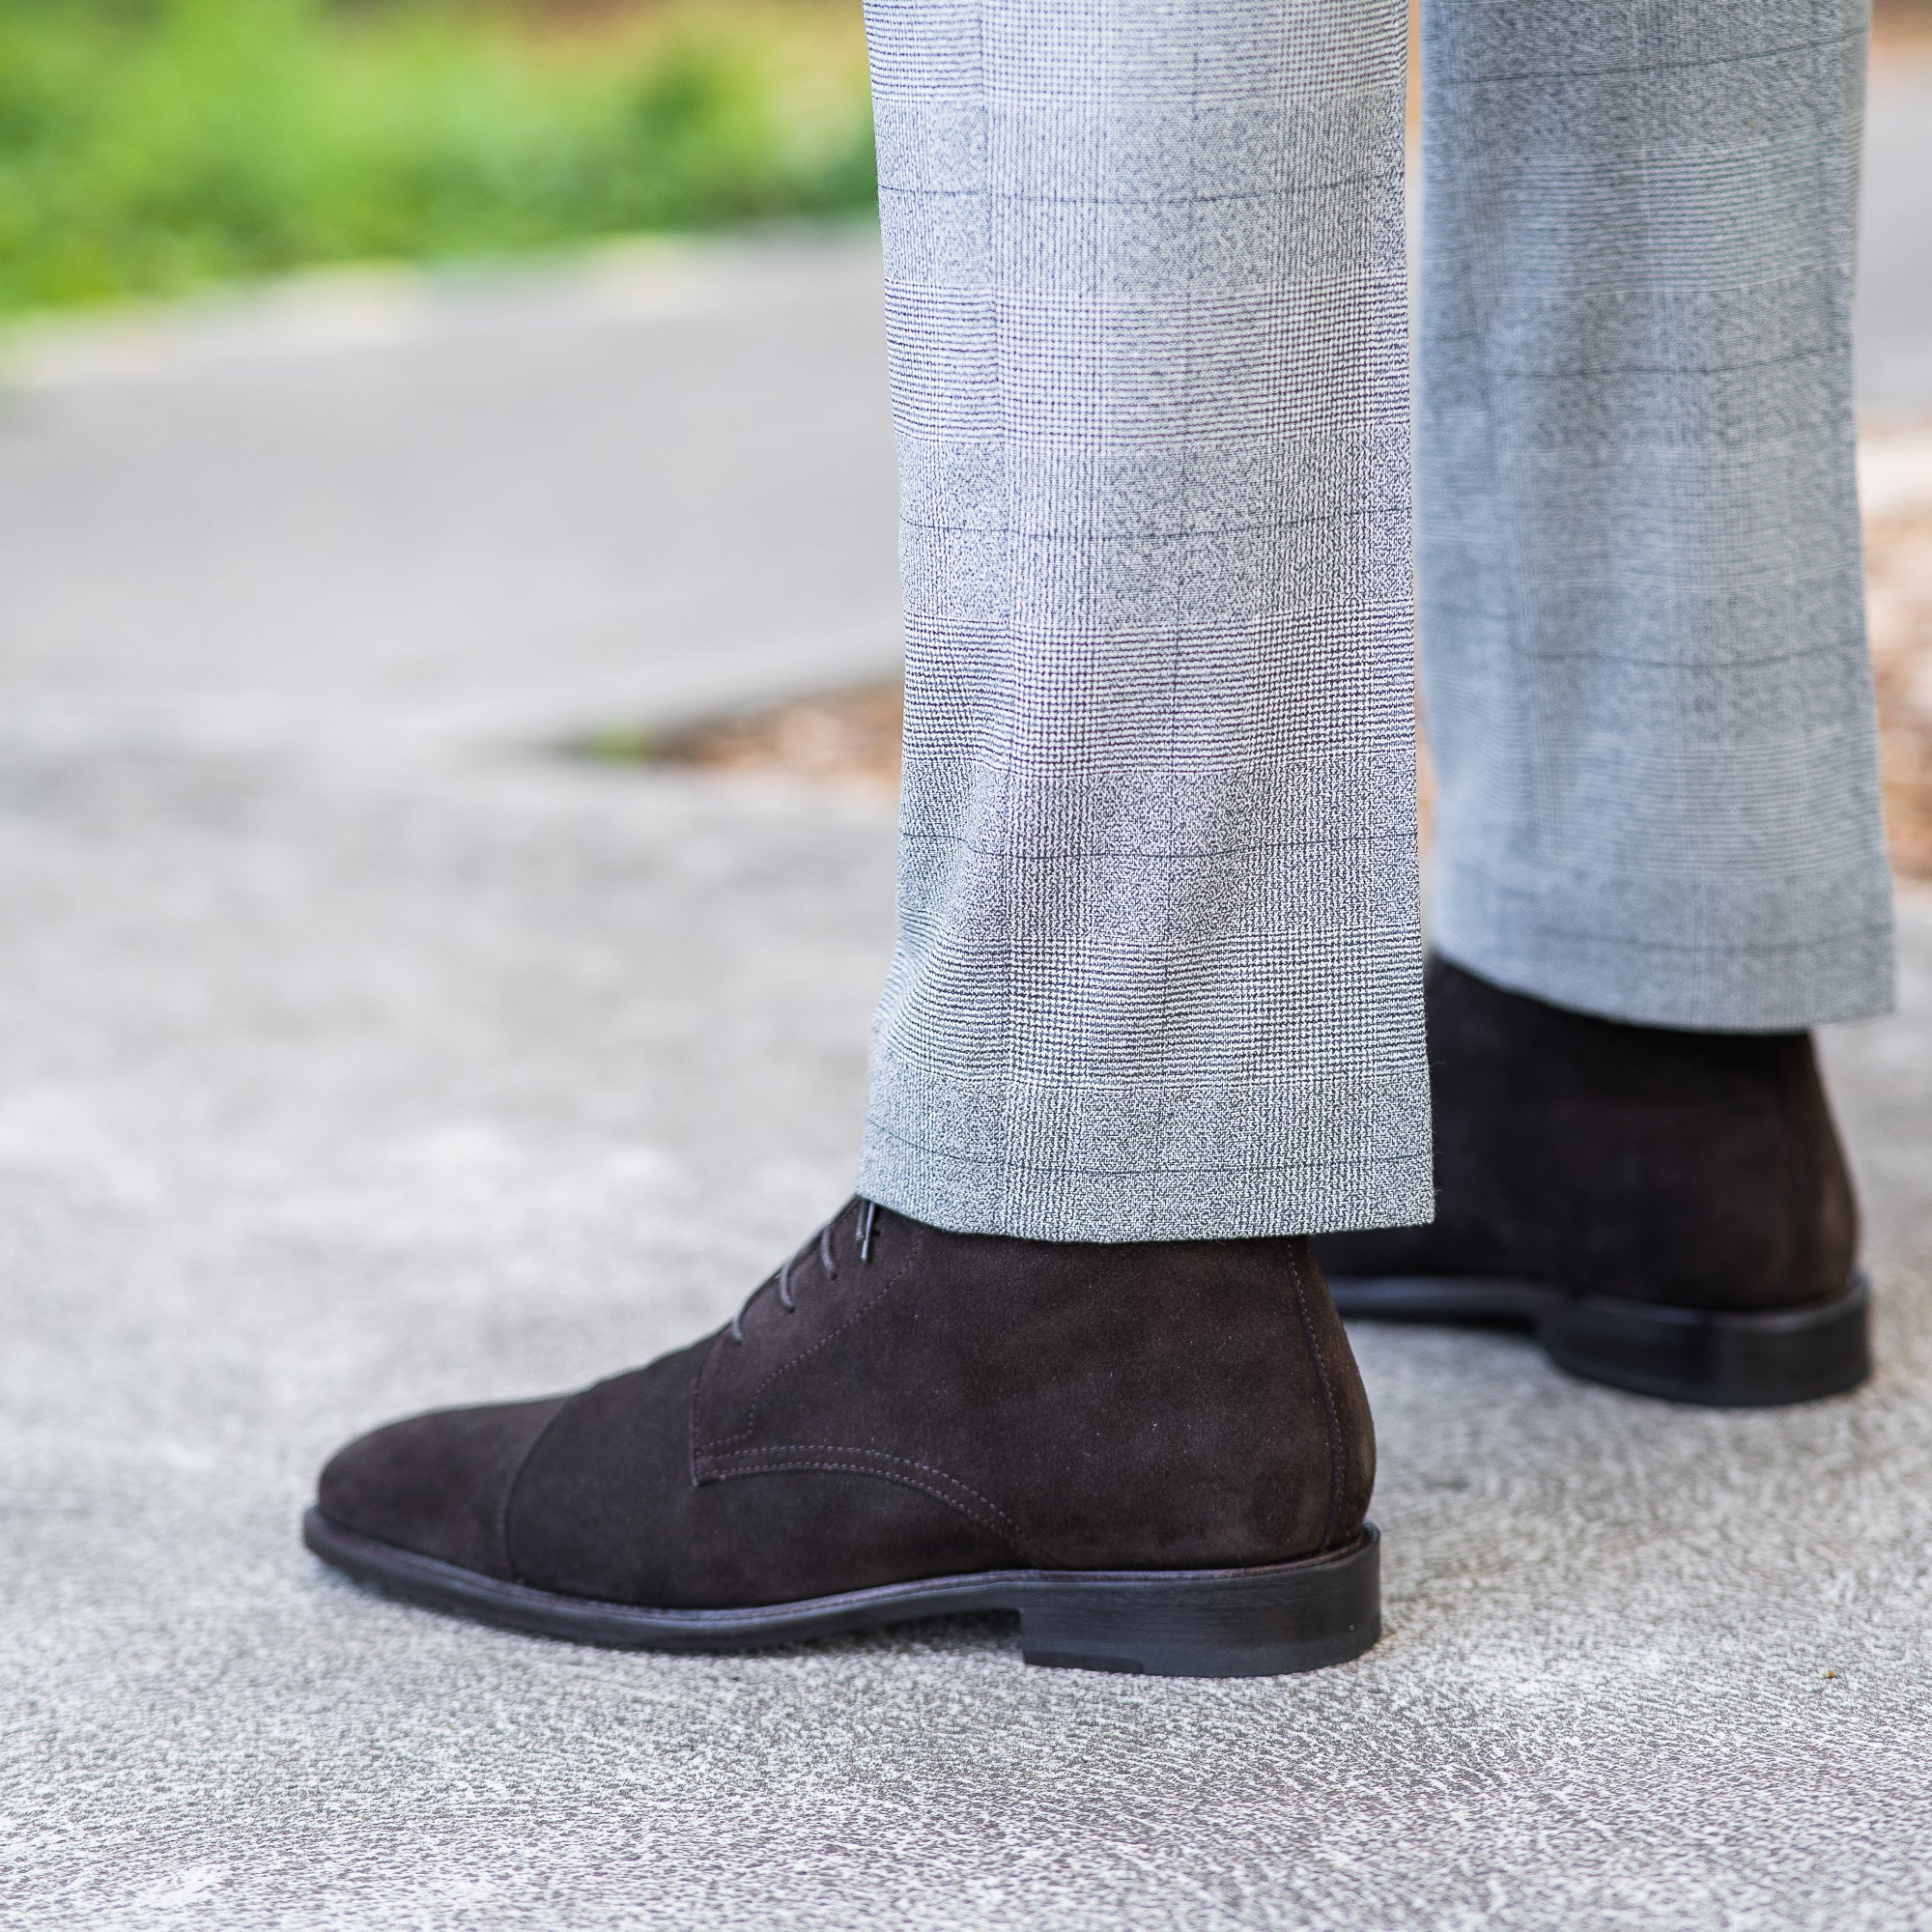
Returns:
(828, 1262)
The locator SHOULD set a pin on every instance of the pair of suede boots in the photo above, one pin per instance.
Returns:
(1158, 1453)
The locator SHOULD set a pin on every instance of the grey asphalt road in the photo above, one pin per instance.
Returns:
(357, 1055)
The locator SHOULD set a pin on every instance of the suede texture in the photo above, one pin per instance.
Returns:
(1700, 1170)
(437, 1484)
(609, 1509)
(943, 1405)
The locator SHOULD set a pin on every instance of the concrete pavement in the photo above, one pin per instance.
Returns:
(325, 1095)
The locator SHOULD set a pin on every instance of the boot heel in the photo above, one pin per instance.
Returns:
(1208, 1623)
(1725, 1360)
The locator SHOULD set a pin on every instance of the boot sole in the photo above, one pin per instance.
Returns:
(1735, 1359)
(1266, 1622)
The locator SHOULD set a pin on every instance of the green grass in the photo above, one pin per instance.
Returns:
(148, 147)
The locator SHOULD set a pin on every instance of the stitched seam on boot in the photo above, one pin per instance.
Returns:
(766, 1468)
(757, 1394)
(1328, 1403)
(510, 1488)
(1012, 1529)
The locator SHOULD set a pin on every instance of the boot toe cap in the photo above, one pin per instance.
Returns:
(437, 1484)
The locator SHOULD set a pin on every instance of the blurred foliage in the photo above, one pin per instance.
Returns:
(149, 146)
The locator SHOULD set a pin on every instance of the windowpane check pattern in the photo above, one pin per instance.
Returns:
(1158, 962)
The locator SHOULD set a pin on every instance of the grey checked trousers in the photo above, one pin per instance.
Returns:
(1158, 960)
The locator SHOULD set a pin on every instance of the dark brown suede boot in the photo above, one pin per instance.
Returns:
(1159, 1454)
(1669, 1210)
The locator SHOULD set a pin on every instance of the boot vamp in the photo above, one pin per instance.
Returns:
(960, 1404)
(606, 1506)
(437, 1484)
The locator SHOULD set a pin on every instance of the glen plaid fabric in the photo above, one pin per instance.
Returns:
(1159, 963)
(1642, 613)
(1156, 970)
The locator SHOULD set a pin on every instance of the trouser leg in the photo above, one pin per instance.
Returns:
(1157, 966)
(1646, 686)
